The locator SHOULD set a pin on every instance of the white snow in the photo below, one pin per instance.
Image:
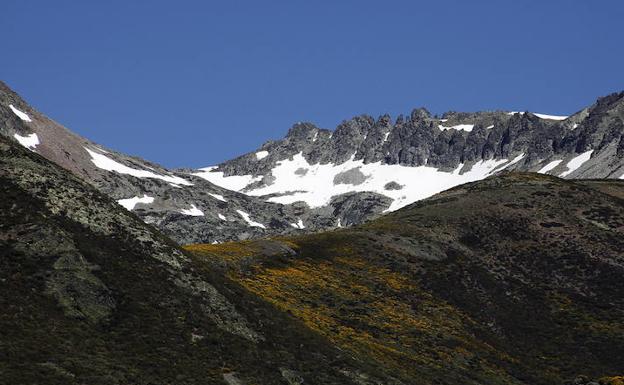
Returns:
(443, 120)
(108, 164)
(490, 126)
(317, 187)
(261, 155)
(551, 117)
(315, 136)
(513, 161)
(20, 114)
(217, 196)
(541, 116)
(549, 166)
(129, 203)
(576, 162)
(222, 217)
(298, 225)
(193, 211)
(30, 142)
(386, 136)
(232, 182)
(465, 127)
(249, 221)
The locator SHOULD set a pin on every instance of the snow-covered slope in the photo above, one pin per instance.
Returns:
(413, 158)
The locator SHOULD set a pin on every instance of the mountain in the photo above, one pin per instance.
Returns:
(316, 179)
(515, 279)
(415, 157)
(90, 294)
(182, 205)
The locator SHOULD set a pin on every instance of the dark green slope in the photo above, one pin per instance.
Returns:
(517, 279)
(89, 294)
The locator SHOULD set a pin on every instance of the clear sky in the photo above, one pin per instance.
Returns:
(192, 83)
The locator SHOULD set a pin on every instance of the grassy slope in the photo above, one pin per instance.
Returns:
(516, 279)
(157, 333)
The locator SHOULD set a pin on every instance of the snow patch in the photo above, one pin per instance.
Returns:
(513, 161)
(222, 217)
(464, 127)
(30, 142)
(541, 116)
(551, 117)
(261, 155)
(217, 196)
(193, 211)
(232, 182)
(249, 221)
(20, 114)
(549, 166)
(386, 137)
(108, 164)
(576, 162)
(298, 225)
(130, 203)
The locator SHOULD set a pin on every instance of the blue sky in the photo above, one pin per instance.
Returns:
(192, 83)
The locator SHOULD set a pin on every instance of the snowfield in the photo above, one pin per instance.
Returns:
(317, 186)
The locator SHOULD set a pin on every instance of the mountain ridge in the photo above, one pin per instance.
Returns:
(316, 179)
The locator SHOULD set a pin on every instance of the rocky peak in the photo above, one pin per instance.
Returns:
(302, 131)
(419, 114)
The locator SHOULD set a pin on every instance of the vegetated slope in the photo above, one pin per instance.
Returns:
(516, 279)
(89, 294)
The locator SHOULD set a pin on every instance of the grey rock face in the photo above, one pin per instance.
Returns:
(72, 280)
(353, 177)
(392, 186)
(418, 140)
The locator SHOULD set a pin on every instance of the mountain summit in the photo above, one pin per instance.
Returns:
(316, 179)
